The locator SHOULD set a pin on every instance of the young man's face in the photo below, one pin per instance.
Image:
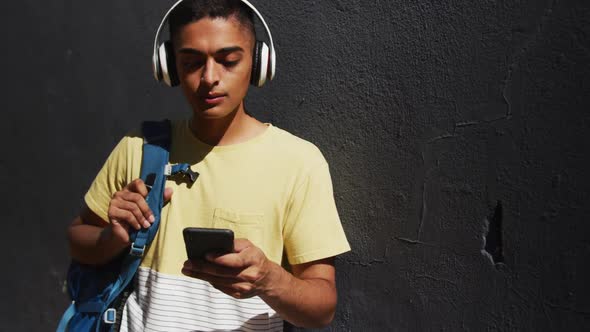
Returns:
(214, 63)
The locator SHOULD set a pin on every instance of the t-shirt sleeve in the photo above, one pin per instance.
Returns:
(312, 228)
(120, 168)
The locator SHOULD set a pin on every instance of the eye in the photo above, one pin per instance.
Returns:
(230, 64)
(190, 64)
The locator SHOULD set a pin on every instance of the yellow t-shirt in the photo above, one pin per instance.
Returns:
(274, 190)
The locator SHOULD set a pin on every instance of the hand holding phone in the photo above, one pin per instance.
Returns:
(202, 241)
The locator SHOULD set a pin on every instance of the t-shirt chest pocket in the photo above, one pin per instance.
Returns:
(244, 225)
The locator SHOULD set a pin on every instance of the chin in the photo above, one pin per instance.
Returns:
(212, 113)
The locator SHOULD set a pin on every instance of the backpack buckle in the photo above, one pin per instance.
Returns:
(183, 169)
(136, 251)
(191, 175)
(110, 316)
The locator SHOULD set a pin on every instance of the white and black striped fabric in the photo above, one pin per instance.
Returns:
(163, 302)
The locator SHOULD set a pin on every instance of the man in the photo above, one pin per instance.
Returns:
(270, 187)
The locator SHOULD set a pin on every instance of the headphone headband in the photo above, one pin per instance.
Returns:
(273, 56)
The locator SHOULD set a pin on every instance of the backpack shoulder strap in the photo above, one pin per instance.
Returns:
(154, 171)
(154, 161)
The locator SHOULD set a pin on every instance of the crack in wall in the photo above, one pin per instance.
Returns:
(579, 42)
(413, 242)
(422, 212)
(519, 55)
(426, 276)
(477, 123)
(492, 239)
(544, 307)
(365, 264)
(424, 207)
(570, 310)
(394, 192)
(442, 137)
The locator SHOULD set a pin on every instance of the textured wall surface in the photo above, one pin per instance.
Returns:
(456, 132)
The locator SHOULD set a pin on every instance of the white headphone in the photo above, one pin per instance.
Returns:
(263, 57)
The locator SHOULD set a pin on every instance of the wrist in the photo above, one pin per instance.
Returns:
(273, 282)
(109, 242)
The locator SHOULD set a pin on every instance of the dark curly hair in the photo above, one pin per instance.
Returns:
(190, 11)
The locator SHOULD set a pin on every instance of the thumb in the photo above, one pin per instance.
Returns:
(120, 231)
(241, 245)
(168, 194)
(118, 227)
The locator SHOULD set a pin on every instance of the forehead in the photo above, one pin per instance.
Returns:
(210, 34)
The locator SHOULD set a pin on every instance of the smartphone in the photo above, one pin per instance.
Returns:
(201, 241)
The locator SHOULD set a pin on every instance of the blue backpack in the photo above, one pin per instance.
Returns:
(99, 293)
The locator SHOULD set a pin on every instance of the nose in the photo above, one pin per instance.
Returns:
(210, 75)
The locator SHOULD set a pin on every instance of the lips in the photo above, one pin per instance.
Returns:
(214, 98)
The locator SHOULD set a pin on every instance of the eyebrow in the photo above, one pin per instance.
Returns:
(224, 50)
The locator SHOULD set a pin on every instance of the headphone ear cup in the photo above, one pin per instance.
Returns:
(255, 77)
(171, 64)
(156, 67)
(260, 61)
(167, 64)
(163, 64)
(264, 63)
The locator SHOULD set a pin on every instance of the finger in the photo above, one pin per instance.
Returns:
(237, 293)
(120, 231)
(229, 291)
(242, 244)
(192, 265)
(213, 280)
(124, 217)
(134, 209)
(138, 186)
(212, 269)
(168, 194)
(246, 254)
(117, 224)
(233, 261)
(141, 204)
(228, 285)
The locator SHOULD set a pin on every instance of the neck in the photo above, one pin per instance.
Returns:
(236, 127)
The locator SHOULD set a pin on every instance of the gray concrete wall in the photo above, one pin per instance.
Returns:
(445, 123)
